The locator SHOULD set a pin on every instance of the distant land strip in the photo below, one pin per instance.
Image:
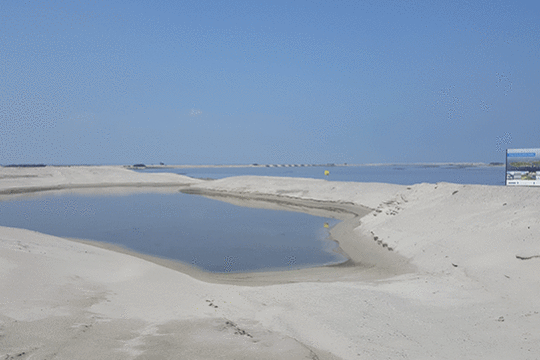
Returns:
(163, 166)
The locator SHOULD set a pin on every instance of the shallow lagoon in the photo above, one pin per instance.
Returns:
(210, 234)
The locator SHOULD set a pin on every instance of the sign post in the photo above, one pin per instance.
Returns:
(523, 167)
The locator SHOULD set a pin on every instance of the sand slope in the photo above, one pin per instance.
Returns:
(473, 292)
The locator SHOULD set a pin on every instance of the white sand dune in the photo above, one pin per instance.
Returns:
(457, 278)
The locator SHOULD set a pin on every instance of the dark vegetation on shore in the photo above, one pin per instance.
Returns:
(25, 165)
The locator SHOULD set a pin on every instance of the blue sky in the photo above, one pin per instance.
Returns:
(241, 82)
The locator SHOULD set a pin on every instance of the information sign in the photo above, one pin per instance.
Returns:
(523, 167)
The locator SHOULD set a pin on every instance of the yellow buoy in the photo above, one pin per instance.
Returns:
(326, 172)
(326, 225)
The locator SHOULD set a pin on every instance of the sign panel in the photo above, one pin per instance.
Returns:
(523, 167)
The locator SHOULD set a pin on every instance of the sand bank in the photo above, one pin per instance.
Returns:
(466, 292)
(20, 180)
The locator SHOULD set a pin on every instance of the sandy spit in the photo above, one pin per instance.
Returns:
(440, 271)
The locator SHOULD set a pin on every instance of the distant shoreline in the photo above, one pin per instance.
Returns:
(311, 165)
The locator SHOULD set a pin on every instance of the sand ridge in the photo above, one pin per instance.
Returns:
(472, 292)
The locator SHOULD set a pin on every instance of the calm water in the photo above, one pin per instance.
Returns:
(403, 174)
(213, 235)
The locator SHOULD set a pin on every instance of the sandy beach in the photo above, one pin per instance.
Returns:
(435, 271)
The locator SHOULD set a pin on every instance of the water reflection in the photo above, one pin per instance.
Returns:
(210, 234)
